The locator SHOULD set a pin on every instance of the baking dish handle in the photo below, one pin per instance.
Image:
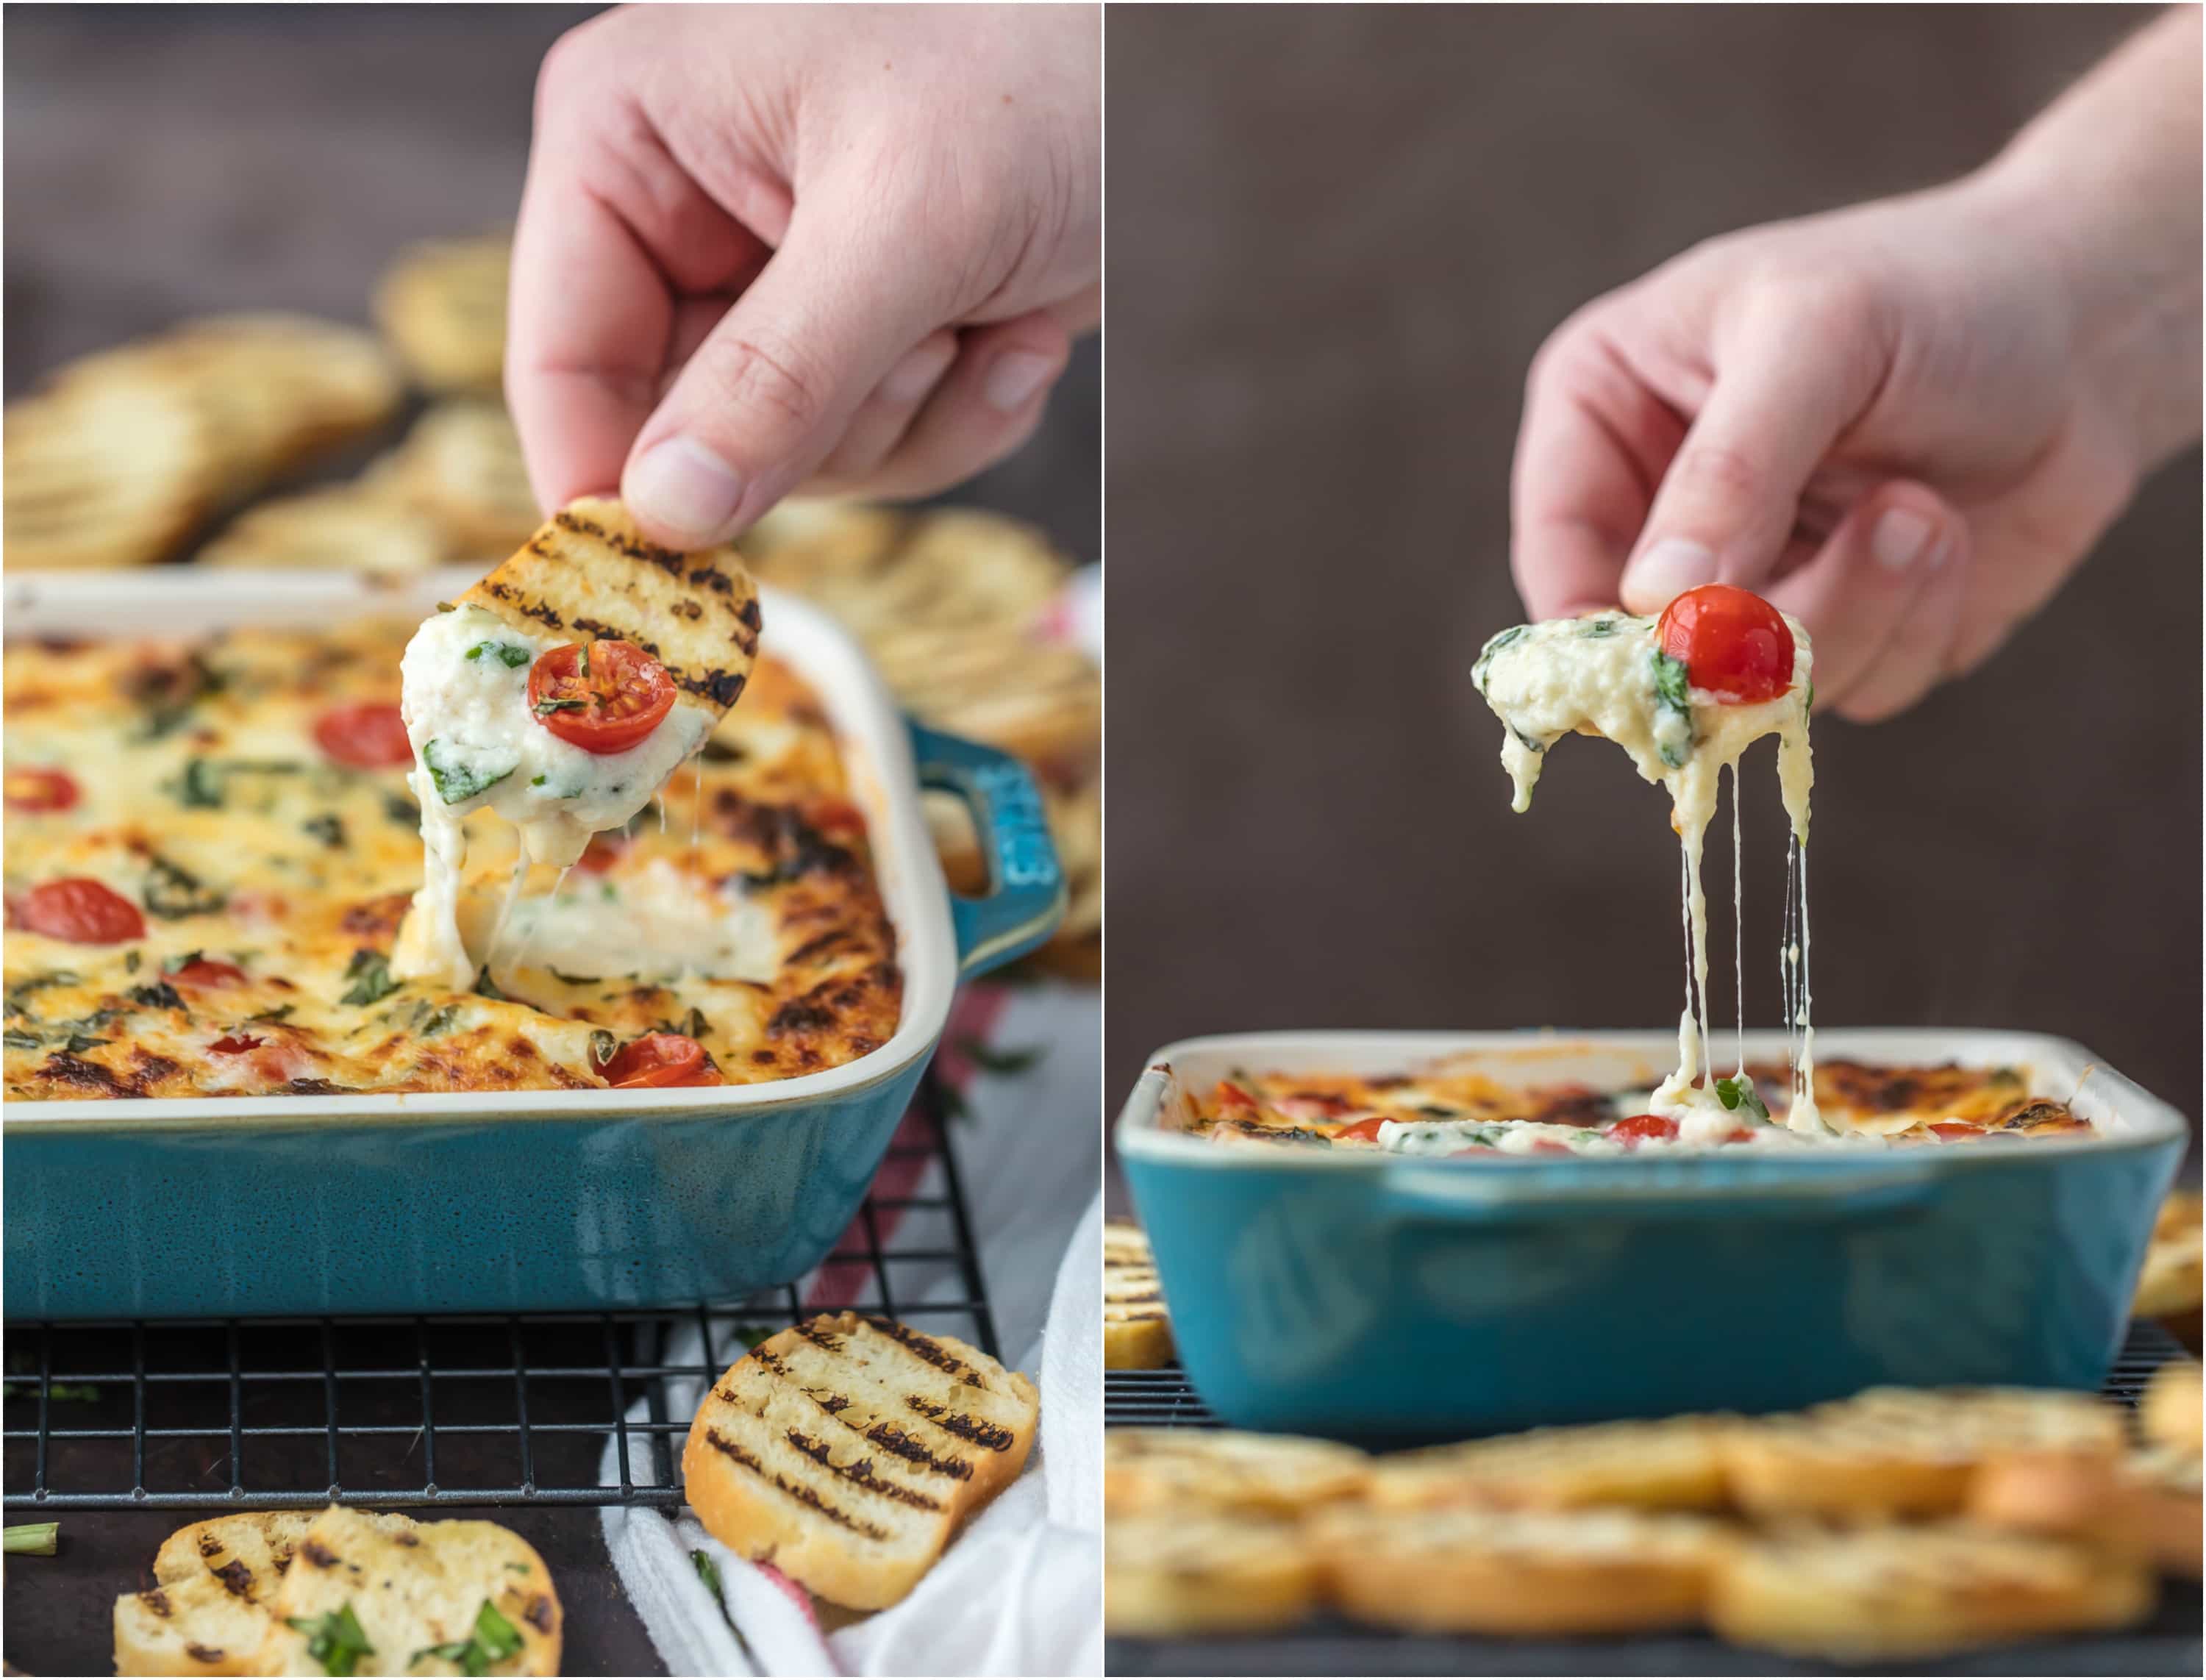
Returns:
(1026, 895)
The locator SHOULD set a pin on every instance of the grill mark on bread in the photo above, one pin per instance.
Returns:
(204, 1653)
(928, 1350)
(157, 1601)
(318, 1554)
(538, 1614)
(881, 1432)
(978, 1431)
(797, 1491)
(859, 1472)
(235, 1575)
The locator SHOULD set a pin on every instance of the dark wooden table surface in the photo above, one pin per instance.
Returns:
(164, 161)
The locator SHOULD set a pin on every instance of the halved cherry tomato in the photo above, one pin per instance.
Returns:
(364, 735)
(41, 790)
(205, 971)
(81, 911)
(1230, 1095)
(236, 1046)
(1367, 1129)
(602, 853)
(1733, 642)
(603, 701)
(662, 1059)
(1950, 1131)
(1637, 1129)
(1548, 1146)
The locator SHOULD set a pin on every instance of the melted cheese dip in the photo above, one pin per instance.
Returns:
(1606, 676)
(476, 745)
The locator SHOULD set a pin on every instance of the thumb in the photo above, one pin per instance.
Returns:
(766, 396)
(1731, 497)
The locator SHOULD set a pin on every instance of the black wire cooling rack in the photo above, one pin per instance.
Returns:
(451, 1410)
(2168, 1644)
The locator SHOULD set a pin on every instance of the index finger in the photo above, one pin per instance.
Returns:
(1588, 455)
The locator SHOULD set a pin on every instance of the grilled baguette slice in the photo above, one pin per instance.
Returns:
(2175, 1264)
(116, 474)
(1187, 1470)
(1174, 1574)
(209, 1608)
(1887, 1594)
(1470, 1570)
(341, 528)
(442, 305)
(1675, 1464)
(411, 1586)
(460, 468)
(2168, 1415)
(845, 1451)
(1136, 1327)
(1904, 1452)
(2145, 1506)
(587, 572)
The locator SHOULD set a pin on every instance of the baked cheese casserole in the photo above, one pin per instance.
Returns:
(212, 846)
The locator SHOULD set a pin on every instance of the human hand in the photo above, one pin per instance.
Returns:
(760, 247)
(1904, 423)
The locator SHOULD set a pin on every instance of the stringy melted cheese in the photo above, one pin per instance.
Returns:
(1604, 675)
(477, 745)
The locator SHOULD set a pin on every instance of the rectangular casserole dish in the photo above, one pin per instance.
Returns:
(1392, 1299)
(508, 1200)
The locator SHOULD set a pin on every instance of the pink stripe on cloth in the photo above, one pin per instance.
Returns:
(840, 1277)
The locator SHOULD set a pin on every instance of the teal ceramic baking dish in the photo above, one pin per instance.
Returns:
(1391, 1299)
(506, 1202)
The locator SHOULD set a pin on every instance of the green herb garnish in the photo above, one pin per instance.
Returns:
(545, 708)
(458, 782)
(280, 1012)
(335, 1640)
(1738, 1092)
(571, 980)
(603, 1047)
(328, 828)
(173, 892)
(1598, 627)
(512, 658)
(1493, 646)
(1673, 693)
(201, 785)
(495, 1640)
(370, 973)
(401, 810)
(16, 1038)
(487, 987)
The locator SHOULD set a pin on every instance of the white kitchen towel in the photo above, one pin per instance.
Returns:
(1019, 1590)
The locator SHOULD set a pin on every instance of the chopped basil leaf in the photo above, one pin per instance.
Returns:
(160, 995)
(81, 1042)
(693, 1026)
(280, 1012)
(169, 692)
(429, 1020)
(446, 606)
(173, 892)
(497, 1636)
(458, 782)
(131, 959)
(572, 979)
(512, 658)
(487, 987)
(536, 781)
(545, 708)
(603, 1047)
(16, 1038)
(1737, 1093)
(1598, 627)
(329, 829)
(709, 1573)
(200, 786)
(370, 973)
(336, 1641)
(1809, 706)
(401, 810)
(1493, 646)
(1673, 690)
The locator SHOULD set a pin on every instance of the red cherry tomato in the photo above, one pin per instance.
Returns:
(1230, 1095)
(365, 735)
(205, 971)
(81, 911)
(41, 790)
(1637, 1128)
(1548, 1146)
(1733, 642)
(602, 853)
(236, 1046)
(834, 815)
(662, 1059)
(1952, 1131)
(1367, 1129)
(609, 707)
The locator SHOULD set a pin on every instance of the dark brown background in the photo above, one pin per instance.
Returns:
(1336, 239)
(162, 161)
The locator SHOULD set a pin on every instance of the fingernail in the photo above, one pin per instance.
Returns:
(686, 487)
(1014, 379)
(1900, 537)
(915, 376)
(1668, 570)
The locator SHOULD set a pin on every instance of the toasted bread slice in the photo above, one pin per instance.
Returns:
(846, 1450)
(411, 1587)
(215, 1583)
(1225, 1469)
(2162, 1510)
(442, 305)
(2174, 1274)
(1178, 1573)
(2144, 1506)
(1467, 1571)
(1676, 1464)
(116, 474)
(590, 572)
(2169, 1414)
(1887, 1594)
(1136, 1328)
(1903, 1452)
(460, 468)
(342, 528)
